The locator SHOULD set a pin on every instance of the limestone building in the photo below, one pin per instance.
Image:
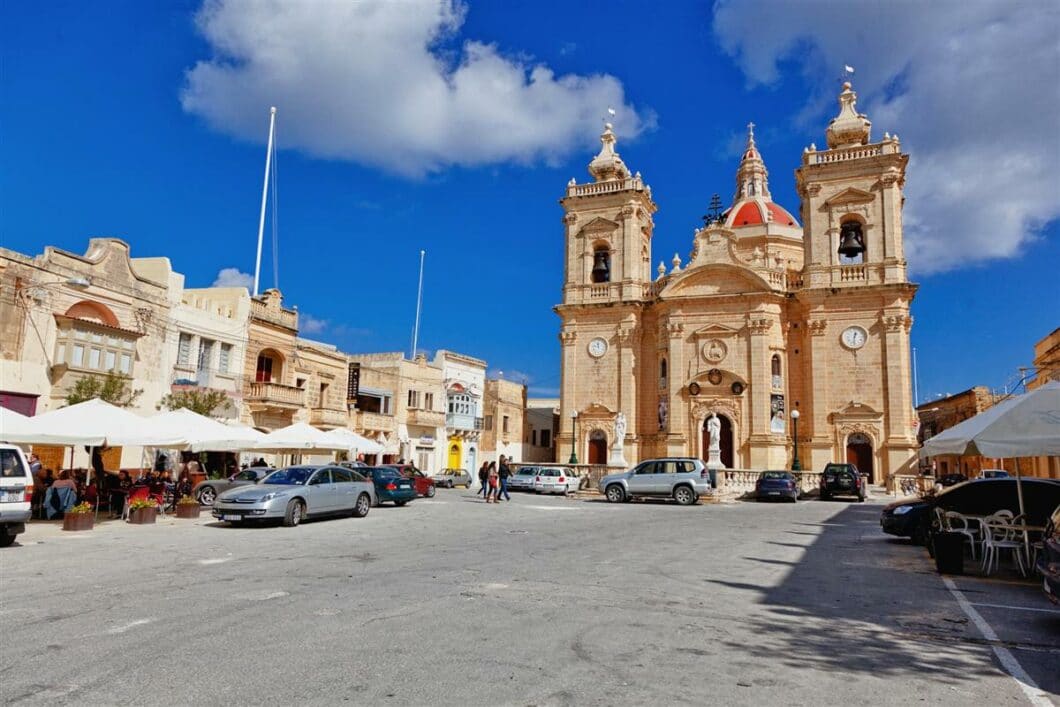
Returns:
(767, 317)
(465, 379)
(504, 432)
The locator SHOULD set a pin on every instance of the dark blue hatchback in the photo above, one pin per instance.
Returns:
(389, 484)
(776, 485)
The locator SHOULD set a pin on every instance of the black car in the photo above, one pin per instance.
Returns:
(981, 497)
(1049, 558)
(951, 480)
(842, 480)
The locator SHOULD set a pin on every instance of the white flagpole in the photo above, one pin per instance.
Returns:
(264, 198)
(419, 300)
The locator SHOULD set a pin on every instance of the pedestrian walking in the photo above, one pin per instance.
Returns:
(493, 484)
(483, 478)
(502, 474)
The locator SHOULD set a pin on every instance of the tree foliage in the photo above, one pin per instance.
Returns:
(198, 400)
(113, 388)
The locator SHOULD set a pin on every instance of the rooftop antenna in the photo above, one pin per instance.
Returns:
(264, 198)
(419, 301)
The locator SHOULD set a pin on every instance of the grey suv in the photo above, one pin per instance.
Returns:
(681, 478)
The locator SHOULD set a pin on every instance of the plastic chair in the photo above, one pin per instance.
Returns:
(957, 523)
(999, 535)
(141, 493)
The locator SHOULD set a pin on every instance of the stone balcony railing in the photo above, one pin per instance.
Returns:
(284, 317)
(426, 418)
(328, 417)
(463, 422)
(274, 394)
(374, 421)
(843, 154)
(739, 482)
(595, 188)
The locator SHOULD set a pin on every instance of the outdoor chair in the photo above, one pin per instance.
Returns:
(142, 493)
(957, 523)
(1000, 535)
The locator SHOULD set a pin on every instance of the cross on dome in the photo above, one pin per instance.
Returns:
(751, 177)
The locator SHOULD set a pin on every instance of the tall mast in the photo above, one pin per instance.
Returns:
(264, 198)
(419, 300)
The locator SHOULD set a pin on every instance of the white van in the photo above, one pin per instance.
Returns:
(16, 489)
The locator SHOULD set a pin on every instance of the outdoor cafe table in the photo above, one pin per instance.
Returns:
(1018, 529)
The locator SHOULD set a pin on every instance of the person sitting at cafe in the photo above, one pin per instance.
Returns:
(182, 488)
(64, 481)
(118, 491)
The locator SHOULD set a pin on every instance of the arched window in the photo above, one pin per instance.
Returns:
(269, 368)
(851, 242)
(601, 264)
(778, 380)
(662, 371)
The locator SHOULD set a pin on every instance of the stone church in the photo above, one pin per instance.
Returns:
(794, 331)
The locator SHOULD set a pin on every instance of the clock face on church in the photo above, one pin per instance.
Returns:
(854, 337)
(597, 347)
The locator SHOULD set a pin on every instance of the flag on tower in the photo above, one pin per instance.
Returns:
(611, 112)
(849, 69)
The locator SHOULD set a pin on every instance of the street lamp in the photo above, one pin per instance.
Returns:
(795, 465)
(573, 438)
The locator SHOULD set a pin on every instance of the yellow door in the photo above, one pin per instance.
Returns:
(455, 453)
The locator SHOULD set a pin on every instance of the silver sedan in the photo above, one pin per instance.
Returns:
(298, 492)
(205, 492)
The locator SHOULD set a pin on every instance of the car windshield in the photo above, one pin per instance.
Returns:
(386, 473)
(527, 472)
(292, 476)
(775, 475)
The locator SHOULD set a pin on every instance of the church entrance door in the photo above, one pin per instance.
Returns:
(725, 442)
(859, 453)
(598, 447)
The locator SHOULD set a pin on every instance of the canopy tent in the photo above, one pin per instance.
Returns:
(95, 423)
(1027, 425)
(352, 440)
(199, 433)
(299, 437)
(12, 425)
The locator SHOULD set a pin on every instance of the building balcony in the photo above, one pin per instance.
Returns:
(274, 315)
(327, 417)
(426, 418)
(462, 422)
(373, 421)
(274, 395)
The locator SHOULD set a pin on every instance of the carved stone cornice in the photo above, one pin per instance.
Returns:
(568, 337)
(817, 327)
(570, 218)
(759, 325)
(897, 322)
(629, 211)
(628, 337)
(722, 406)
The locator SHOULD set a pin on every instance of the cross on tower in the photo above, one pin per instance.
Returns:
(713, 214)
(751, 129)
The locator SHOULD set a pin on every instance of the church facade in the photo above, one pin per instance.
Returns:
(795, 335)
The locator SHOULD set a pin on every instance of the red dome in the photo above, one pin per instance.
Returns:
(748, 215)
(756, 212)
(780, 215)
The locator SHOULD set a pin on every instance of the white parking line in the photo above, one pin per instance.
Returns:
(126, 627)
(1008, 661)
(1017, 608)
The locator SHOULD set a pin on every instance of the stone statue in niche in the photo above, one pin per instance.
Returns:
(663, 414)
(618, 456)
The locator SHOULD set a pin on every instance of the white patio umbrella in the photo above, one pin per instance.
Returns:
(199, 433)
(12, 425)
(352, 440)
(95, 423)
(299, 437)
(1026, 425)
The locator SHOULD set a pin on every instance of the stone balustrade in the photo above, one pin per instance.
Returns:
(284, 317)
(374, 421)
(274, 393)
(844, 154)
(594, 188)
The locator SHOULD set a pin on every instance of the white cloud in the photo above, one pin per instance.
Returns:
(376, 83)
(308, 324)
(972, 88)
(233, 277)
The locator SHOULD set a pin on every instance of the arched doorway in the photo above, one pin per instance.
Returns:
(455, 454)
(859, 453)
(725, 441)
(598, 447)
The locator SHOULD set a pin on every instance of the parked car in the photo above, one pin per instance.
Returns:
(776, 484)
(423, 484)
(683, 479)
(205, 492)
(296, 493)
(1048, 565)
(912, 518)
(16, 492)
(453, 477)
(842, 480)
(950, 480)
(390, 485)
(554, 479)
(523, 478)
(994, 474)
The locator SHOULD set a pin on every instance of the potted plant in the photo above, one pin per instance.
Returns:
(143, 511)
(187, 507)
(80, 517)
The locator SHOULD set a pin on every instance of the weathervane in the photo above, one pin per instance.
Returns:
(611, 114)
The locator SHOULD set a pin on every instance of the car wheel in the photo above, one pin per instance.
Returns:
(920, 534)
(207, 495)
(684, 496)
(825, 496)
(400, 503)
(293, 516)
(360, 510)
(6, 540)
(615, 494)
(430, 492)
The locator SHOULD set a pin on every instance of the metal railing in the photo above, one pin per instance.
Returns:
(461, 421)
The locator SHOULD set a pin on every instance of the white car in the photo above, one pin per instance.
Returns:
(16, 489)
(555, 479)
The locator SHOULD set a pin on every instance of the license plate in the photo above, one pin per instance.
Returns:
(405, 486)
(774, 493)
(231, 517)
(10, 496)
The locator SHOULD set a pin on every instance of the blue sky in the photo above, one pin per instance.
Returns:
(455, 129)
